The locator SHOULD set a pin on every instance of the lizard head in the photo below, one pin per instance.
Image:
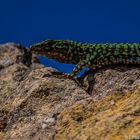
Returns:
(61, 50)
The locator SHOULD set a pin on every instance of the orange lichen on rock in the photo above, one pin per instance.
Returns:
(115, 117)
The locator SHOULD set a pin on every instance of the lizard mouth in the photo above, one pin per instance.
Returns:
(54, 55)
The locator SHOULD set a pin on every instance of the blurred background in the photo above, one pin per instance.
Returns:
(93, 21)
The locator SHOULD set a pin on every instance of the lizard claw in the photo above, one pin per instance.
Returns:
(62, 75)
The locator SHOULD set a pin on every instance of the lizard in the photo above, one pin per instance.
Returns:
(95, 55)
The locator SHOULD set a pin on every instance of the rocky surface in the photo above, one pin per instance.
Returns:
(36, 105)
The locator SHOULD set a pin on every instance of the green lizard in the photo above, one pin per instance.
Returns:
(88, 55)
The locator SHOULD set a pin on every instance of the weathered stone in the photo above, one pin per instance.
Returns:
(34, 104)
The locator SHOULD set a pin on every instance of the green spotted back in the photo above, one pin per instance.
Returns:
(117, 53)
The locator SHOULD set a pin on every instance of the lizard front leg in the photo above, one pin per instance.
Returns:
(78, 68)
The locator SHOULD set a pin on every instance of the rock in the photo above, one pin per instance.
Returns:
(35, 104)
(30, 94)
(97, 120)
